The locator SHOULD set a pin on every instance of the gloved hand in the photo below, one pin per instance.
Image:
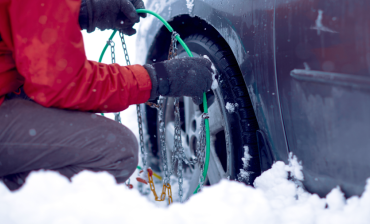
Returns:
(111, 14)
(181, 77)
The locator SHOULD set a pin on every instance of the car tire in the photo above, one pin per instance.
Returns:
(241, 124)
(242, 121)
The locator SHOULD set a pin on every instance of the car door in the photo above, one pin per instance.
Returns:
(323, 67)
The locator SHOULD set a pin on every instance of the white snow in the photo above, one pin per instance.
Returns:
(230, 107)
(335, 199)
(49, 198)
(244, 175)
(295, 167)
(190, 5)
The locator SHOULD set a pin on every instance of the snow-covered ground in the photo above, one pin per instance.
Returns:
(48, 198)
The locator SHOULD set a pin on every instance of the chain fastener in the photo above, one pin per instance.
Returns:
(164, 188)
(163, 195)
(205, 115)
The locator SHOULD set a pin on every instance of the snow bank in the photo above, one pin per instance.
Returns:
(95, 198)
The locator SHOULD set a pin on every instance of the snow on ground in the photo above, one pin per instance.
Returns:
(49, 198)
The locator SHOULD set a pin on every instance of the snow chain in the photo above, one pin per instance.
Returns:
(178, 151)
(117, 116)
(163, 194)
(138, 111)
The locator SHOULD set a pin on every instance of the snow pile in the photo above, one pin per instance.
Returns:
(243, 176)
(230, 107)
(96, 198)
(294, 168)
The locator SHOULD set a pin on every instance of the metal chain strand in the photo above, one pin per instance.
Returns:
(124, 48)
(141, 136)
(117, 116)
(113, 55)
(172, 53)
(180, 179)
(139, 115)
(162, 129)
(162, 137)
(201, 146)
(178, 149)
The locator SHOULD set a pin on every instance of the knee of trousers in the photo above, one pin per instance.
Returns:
(124, 152)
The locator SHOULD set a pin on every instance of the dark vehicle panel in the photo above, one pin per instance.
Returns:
(323, 69)
(306, 64)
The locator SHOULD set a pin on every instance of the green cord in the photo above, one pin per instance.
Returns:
(158, 17)
(205, 107)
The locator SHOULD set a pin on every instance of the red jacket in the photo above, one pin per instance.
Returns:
(43, 50)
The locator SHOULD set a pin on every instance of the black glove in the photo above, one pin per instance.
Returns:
(181, 77)
(110, 14)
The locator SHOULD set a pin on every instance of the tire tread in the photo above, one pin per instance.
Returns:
(238, 93)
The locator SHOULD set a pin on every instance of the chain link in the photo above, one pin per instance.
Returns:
(165, 187)
(121, 35)
(113, 55)
(172, 53)
(117, 116)
(162, 138)
(169, 193)
(178, 149)
(201, 146)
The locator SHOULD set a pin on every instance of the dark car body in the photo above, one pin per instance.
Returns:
(306, 64)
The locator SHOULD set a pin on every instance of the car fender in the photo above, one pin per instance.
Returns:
(216, 14)
(173, 8)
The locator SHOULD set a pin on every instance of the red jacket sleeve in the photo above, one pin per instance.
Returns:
(50, 55)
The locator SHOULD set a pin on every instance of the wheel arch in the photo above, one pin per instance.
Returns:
(160, 44)
(178, 15)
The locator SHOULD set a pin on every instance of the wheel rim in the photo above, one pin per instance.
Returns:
(221, 158)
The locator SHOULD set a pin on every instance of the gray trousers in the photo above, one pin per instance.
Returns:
(33, 137)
